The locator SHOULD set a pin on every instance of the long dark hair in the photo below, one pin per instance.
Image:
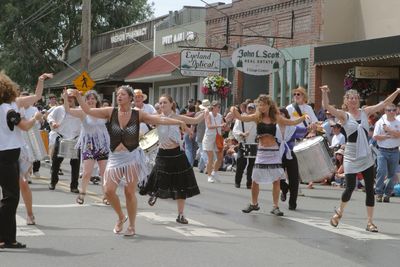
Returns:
(171, 101)
(95, 95)
(273, 109)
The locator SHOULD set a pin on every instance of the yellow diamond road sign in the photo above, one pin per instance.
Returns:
(84, 83)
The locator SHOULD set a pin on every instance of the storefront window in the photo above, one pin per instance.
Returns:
(305, 73)
(297, 73)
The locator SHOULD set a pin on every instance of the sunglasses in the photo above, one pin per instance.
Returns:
(391, 110)
(297, 94)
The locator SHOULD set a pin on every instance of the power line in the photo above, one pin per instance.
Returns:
(38, 13)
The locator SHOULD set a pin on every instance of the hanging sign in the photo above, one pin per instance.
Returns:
(257, 59)
(83, 82)
(377, 73)
(200, 63)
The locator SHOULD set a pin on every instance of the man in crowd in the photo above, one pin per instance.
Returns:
(138, 100)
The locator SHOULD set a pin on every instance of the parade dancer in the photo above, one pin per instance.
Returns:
(126, 163)
(358, 154)
(10, 146)
(172, 175)
(93, 141)
(268, 165)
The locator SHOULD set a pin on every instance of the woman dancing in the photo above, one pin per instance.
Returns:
(268, 165)
(357, 155)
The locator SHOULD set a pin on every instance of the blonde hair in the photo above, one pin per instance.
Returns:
(349, 93)
(273, 109)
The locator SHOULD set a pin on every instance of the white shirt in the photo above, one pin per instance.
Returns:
(338, 139)
(150, 110)
(217, 120)
(9, 139)
(305, 110)
(28, 113)
(391, 142)
(69, 128)
(250, 127)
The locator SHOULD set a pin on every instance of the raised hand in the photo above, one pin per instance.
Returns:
(325, 89)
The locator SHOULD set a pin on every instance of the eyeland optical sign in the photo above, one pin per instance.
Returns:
(257, 59)
(200, 63)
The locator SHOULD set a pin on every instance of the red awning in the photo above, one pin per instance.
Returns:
(158, 68)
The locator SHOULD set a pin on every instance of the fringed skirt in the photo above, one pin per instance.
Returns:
(124, 166)
(25, 160)
(268, 165)
(171, 177)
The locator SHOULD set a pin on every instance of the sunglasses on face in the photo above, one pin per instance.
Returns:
(391, 110)
(297, 94)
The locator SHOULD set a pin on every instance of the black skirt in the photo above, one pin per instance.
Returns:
(172, 176)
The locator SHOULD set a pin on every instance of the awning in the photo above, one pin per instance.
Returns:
(111, 65)
(159, 68)
(361, 51)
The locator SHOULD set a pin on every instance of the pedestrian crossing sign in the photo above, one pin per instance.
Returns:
(83, 82)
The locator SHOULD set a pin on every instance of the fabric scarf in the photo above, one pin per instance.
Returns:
(282, 139)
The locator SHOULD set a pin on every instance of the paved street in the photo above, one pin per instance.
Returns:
(218, 234)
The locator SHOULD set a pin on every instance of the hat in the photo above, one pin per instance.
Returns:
(138, 92)
(205, 104)
(340, 151)
(251, 105)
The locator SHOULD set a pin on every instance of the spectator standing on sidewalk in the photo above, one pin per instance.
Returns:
(200, 131)
(387, 135)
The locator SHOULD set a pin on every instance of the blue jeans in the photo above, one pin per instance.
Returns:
(203, 157)
(189, 148)
(387, 165)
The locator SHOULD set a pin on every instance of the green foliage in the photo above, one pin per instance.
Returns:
(30, 28)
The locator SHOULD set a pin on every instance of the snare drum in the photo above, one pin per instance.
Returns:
(315, 162)
(35, 143)
(67, 149)
(149, 141)
(250, 150)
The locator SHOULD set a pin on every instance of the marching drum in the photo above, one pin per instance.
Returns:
(315, 162)
(34, 140)
(149, 141)
(250, 150)
(67, 149)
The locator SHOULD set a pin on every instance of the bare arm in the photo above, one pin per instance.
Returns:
(378, 107)
(283, 121)
(190, 120)
(155, 119)
(25, 125)
(245, 118)
(340, 114)
(101, 113)
(27, 101)
(74, 112)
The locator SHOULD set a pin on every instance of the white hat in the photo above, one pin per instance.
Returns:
(139, 92)
(205, 104)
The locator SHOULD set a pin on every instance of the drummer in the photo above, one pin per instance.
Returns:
(138, 101)
(63, 126)
(268, 163)
(126, 163)
(358, 155)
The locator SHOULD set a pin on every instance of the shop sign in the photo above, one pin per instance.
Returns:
(177, 38)
(128, 35)
(377, 73)
(200, 63)
(257, 59)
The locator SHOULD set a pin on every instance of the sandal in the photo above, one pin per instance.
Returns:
(105, 201)
(119, 225)
(80, 199)
(130, 231)
(14, 245)
(336, 218)
(371, 228)
(152, 200)
(30, 220)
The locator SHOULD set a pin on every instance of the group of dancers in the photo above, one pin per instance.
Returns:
(111, 135)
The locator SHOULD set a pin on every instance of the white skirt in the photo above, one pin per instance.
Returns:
(25, 160)
(209, 143)
(268, 166)
(124, 166)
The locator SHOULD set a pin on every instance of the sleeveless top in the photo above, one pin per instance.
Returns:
(168, 134)
(93, 131)
(128, 136)
(357, 132)
(266, 128)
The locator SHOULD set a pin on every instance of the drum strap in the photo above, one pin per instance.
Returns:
(297, 108)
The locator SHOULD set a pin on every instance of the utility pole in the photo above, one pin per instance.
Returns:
(86, 34)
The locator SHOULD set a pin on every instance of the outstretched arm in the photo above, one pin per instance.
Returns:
(340, 114)
(26, 101)
(190, 120)
(74, 112)
(154, 119)
(283, 121)
(245, 118)
(102, 113)
(378, 107)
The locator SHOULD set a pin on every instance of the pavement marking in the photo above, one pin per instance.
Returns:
(194, 229)
(60, 206)
(27, 230)
(343, 229)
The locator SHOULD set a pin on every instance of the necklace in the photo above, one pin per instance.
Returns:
(124, 113)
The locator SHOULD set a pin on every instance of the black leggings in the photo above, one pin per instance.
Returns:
(351, 182)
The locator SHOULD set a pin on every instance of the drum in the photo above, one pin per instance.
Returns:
(149, 141)
(67, 149)
(36, 146)
(45, 138)
(315, 162)
(250, 150)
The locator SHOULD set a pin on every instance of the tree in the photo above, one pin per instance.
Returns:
(29, 29)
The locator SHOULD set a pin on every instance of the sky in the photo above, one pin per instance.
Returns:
(162, 7)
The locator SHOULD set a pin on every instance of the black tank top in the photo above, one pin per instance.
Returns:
(128, 136)
(264, 128)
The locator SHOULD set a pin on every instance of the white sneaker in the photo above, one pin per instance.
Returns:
(216, 178)
(210, 179)
(36, 174)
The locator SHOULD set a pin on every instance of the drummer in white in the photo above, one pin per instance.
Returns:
(138, 100)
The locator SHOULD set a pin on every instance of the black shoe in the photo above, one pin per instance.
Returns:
(181, 219)
(52, 186)
(386, 199)
(237, 185)
(379, 198)
(283, 197)
(248, 186)
(292, 207)
(14, 245)
(152, 200)
(75, 190)
(60, 172)
(276, 212)
(250, 208)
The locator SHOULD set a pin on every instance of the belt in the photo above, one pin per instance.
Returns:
(388, 149)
